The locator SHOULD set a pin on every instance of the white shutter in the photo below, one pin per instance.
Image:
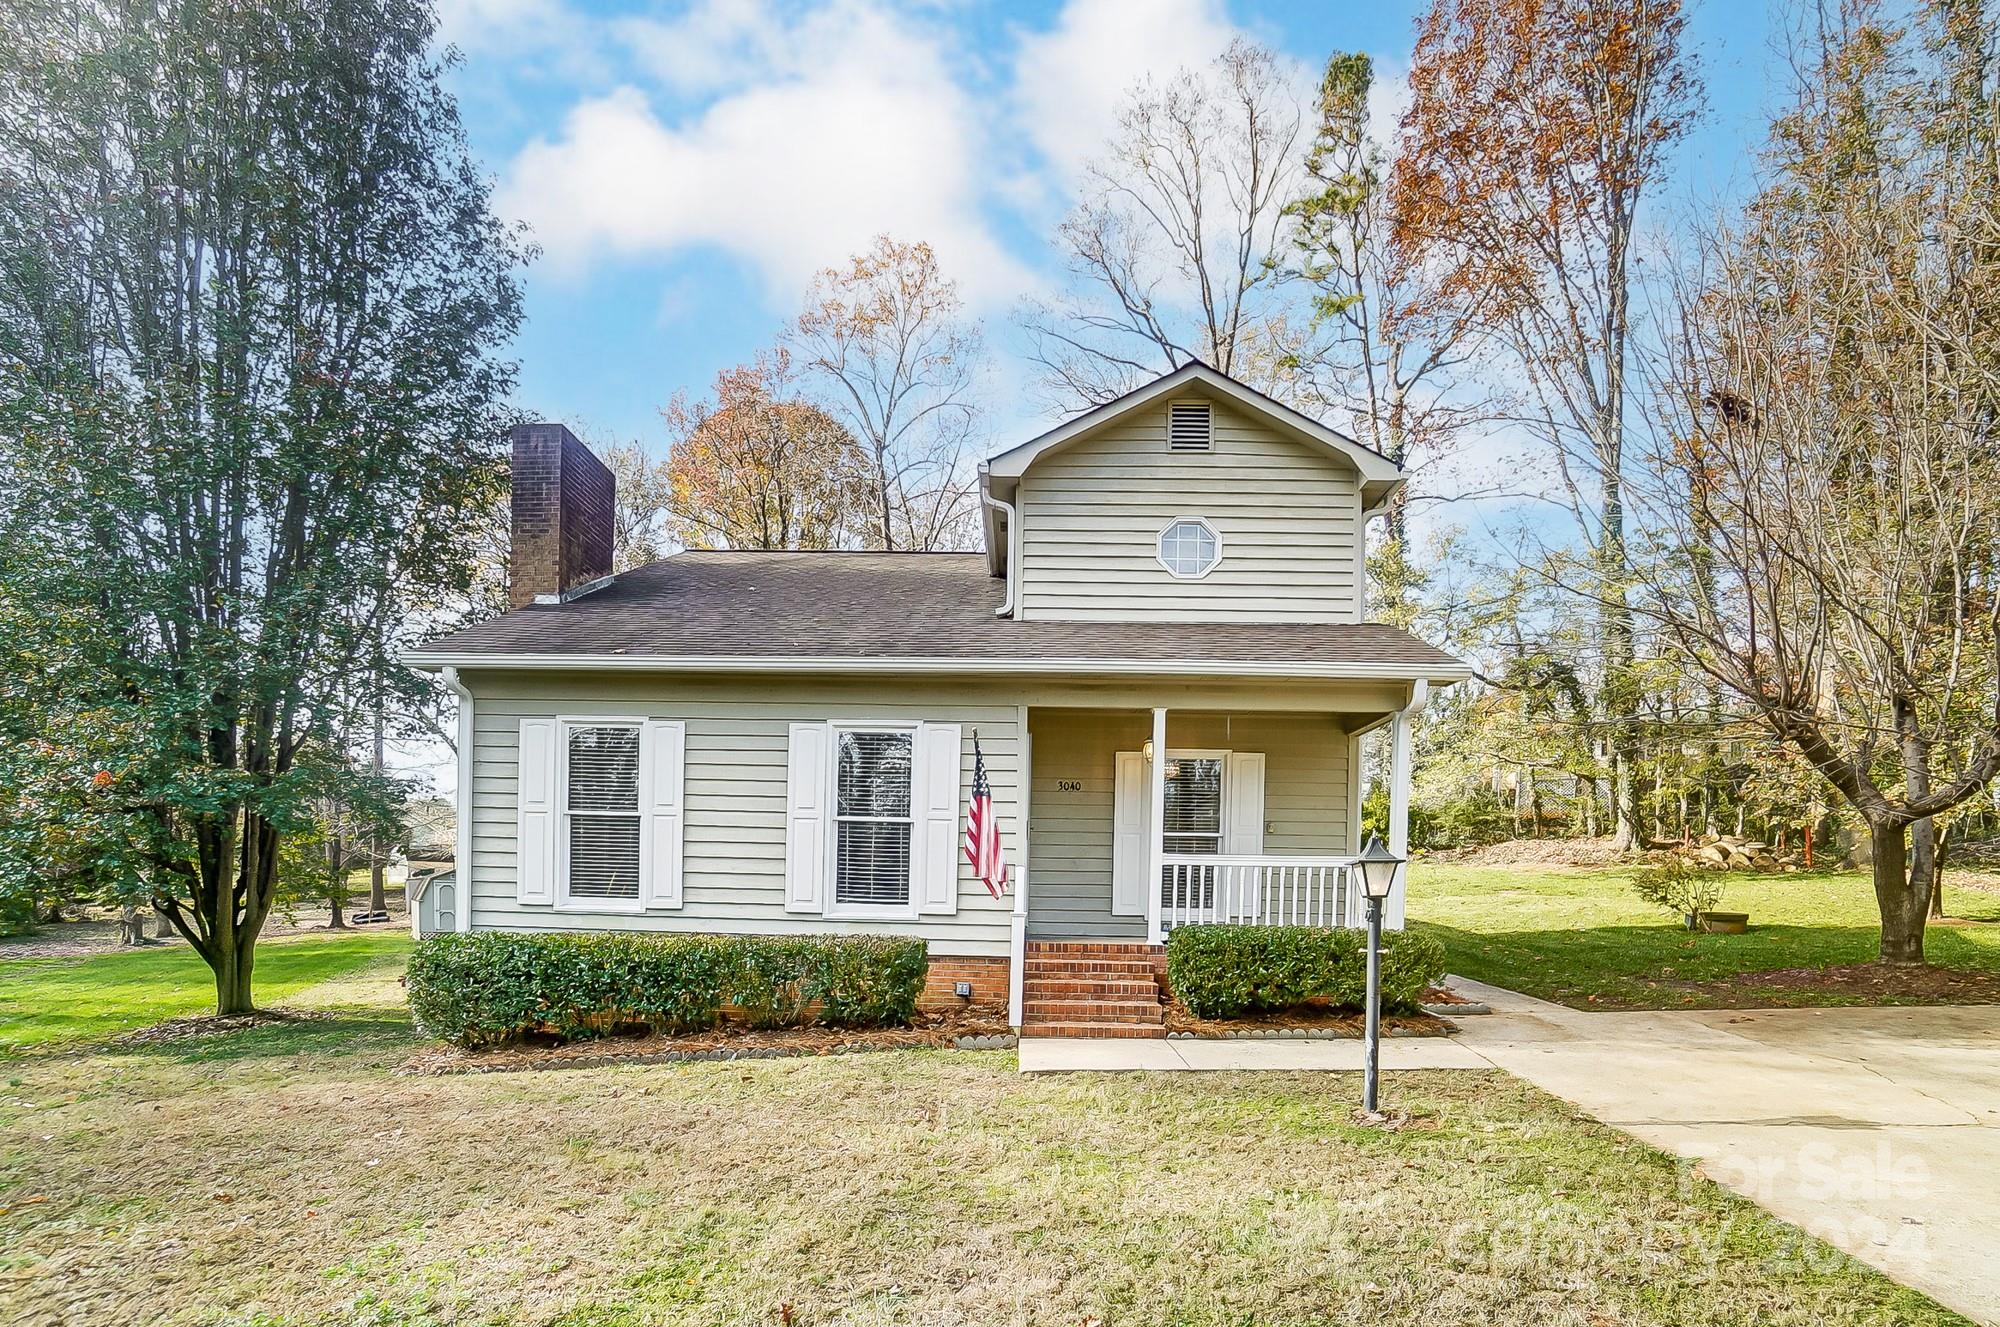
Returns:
(535, 837)
(1243, 817)
(662, 778)
(808, 818)
(1131, 854)
(934, 786)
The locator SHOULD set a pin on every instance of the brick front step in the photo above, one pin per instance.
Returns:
(1069, 987)
(1107, 965)
(1095, 1031)
(1085, 1011)
(1091, 947)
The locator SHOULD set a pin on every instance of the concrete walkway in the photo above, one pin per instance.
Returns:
(1877, 1130)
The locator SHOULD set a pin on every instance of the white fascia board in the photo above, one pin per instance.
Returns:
(1376, 469)
(736, 663)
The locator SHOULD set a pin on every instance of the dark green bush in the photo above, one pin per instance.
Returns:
(1231, 971)
(494, 986)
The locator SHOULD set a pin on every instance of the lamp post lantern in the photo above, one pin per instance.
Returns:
(1378, 868)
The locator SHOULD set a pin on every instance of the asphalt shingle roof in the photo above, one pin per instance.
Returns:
(887, 606)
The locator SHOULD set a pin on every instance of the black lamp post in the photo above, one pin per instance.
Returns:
(1378, 876)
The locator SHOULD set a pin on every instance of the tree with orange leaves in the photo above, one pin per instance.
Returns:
(1535, 129)
(757, 468)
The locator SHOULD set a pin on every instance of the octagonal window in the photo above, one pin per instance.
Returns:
(1190, 548)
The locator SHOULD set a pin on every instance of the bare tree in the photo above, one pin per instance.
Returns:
(1827, 497)
(1174, 253)
(1533, 135)
(640, 522)
(888, 335)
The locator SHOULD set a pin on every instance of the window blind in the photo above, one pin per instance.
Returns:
(1193, 812)
(603, 812)
(872, 815)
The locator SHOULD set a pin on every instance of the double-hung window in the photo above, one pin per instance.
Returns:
(872, 819)
(1192, 825)
(1194, 804)
(600, 812)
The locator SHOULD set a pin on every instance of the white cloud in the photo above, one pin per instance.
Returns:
(835, 126)
(714, 45)
(1071, 82)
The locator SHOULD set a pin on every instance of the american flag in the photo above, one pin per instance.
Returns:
(982, 829)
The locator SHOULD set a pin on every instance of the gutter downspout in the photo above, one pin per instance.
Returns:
(461, 867)
(1006, 608)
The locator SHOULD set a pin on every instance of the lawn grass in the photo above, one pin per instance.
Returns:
(287, 1175)
(1582, 937)
(54, 1001)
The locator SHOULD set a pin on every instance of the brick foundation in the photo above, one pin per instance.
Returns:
(987, 975)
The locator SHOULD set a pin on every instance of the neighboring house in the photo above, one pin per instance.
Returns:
(1161, 651)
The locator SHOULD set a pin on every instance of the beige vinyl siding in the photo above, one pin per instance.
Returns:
(1289, 514)
(1069, 833)
(734, 828)
(1306, 800)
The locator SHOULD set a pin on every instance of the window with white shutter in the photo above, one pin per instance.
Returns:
(872, 820)
(601, 817)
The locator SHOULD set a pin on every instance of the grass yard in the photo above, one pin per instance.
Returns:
(1582, 937)
(287, 1175)
(57, 1000)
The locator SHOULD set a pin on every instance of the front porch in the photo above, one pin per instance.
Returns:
(1141, 820)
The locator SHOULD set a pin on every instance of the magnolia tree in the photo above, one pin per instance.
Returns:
(251, 299)
(1825, 499)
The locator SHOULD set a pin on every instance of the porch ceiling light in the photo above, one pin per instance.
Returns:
(1378, 868)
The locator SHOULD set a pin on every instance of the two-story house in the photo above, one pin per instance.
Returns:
(1161, 654)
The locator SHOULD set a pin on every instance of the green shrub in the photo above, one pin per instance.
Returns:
(1230, 971)
(494, 986)
(1680, 888)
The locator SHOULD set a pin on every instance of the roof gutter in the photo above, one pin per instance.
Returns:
(1443, 673)
(461, 889)
(1006, 608)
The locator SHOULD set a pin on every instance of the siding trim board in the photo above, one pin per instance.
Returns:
(1343, 670)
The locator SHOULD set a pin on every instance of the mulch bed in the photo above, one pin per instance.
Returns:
(208, 1025)
(1782, 988)
(1315, 1019)
(931, 1030)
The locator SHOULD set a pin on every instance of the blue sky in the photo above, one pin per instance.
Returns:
(686, 167)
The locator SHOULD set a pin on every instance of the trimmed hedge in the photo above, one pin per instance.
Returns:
(1230, 971)
(494, 986)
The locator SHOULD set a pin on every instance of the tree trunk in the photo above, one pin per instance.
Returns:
(163, 929)
(232, 980)
(1902, 907)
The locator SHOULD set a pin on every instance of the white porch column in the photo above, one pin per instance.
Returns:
(1156, 776)
(1399, 796)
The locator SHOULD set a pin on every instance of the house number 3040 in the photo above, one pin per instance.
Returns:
(1069, 785)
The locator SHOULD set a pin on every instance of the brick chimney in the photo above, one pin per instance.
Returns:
(562, 501)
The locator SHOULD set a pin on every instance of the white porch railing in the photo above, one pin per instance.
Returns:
(1257, 891)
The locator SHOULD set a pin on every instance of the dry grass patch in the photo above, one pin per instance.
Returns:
(286, 1175)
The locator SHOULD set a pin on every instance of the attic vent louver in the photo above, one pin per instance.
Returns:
(1190, 426)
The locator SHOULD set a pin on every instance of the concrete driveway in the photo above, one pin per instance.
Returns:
(1877, 1130)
